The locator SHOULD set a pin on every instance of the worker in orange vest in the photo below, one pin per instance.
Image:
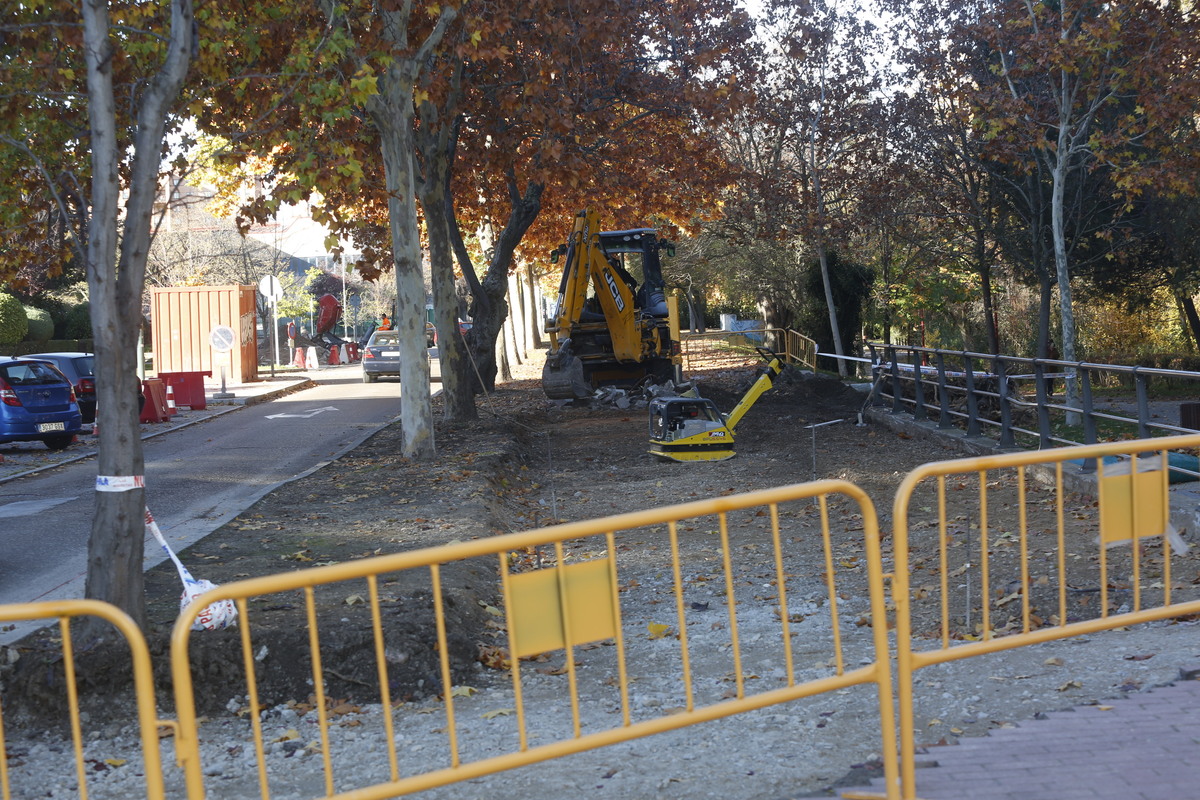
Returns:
(386, 325)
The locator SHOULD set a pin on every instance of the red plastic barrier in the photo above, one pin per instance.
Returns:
(155, 409)
(188, 388)
(351, 352)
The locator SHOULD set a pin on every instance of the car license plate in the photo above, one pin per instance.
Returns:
(390, 353)
(46, 427)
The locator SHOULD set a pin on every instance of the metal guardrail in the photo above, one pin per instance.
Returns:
(796, 348)
(1001, 580)
(64, 611)
(977, 390)
(576, 599)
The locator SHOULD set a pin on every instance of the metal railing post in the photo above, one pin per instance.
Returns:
(943, 393)
(1141, 383)
(1006, 431)
(972, 401)
(876, 376)
(897, 401)
(1039, 376)
(1089, 422)
(918, 387)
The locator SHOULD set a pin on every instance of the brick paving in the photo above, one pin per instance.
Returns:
(1144, 746)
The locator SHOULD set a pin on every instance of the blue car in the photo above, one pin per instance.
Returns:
(37, 404)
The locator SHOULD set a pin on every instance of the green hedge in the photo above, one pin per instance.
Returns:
(50, 346)
(13, 322)
(41, 325)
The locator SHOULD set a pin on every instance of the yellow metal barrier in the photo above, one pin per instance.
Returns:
(564, 590)
(730, 348)
(988, 524)
(64, 611)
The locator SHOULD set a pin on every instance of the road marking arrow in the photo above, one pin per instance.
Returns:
(304, 414)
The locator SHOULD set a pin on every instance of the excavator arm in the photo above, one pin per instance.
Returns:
(616, 333)
(587, 265)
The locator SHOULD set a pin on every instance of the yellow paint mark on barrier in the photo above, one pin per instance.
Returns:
(1133, 506)
(538, 601)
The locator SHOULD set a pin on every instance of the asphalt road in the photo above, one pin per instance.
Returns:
(197, 478)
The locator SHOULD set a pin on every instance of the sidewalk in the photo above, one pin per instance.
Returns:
(18, 459)
(1145, 746)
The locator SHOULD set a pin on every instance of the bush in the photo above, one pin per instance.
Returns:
(79, 322)
(13, 322)
(41, 326)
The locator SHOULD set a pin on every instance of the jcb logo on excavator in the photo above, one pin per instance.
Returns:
(612, 287)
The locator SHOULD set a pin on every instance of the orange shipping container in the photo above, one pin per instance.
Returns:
(182, 320)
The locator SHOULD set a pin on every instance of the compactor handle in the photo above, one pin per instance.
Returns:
(768, 354)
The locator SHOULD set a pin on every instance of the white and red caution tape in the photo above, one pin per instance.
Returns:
(218, 615)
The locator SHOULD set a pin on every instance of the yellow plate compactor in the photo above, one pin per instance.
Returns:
(693, 429)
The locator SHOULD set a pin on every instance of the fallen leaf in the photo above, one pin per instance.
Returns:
(463, 691)
(354, 600)
(1070, 685)
(658, 630)
(115, 762)
(499, 712)
(1053, 662)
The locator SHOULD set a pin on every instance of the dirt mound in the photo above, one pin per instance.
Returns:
(804, 394)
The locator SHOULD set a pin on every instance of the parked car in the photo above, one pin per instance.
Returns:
(430, 334)
(80, 369)
(381, 356)
(37, 404)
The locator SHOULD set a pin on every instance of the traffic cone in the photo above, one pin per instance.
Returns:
(171, 410)
(333, 356)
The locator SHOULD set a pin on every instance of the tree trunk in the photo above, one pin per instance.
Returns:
(115, 548)
(985, 288)
(1063, 274)
(533, 308)
(392, 112)
(1193, 319)
(457, 395)
(489, 309)
(822, 256)
(516, 317)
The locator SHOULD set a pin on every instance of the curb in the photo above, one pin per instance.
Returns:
(265, 397)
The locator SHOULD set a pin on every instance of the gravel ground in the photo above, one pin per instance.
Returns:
(787, 751)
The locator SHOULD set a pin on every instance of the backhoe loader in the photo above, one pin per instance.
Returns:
(607, 328)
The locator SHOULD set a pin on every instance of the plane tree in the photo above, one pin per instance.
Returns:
(1083, 87)
(89, 95)
(510, 112)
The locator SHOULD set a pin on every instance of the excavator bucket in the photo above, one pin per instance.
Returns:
(563, 378)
